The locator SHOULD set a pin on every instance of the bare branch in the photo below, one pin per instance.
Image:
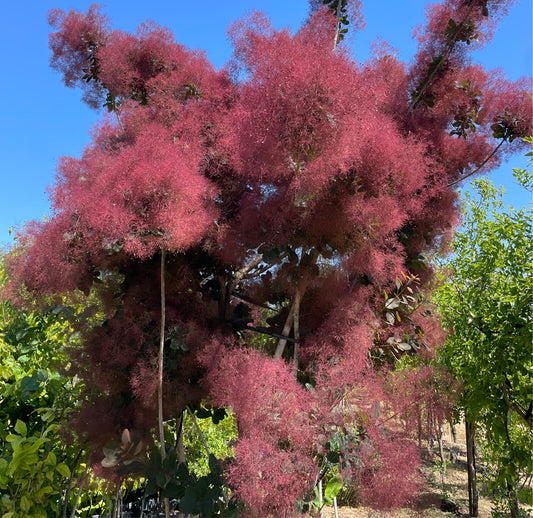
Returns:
(198, 430)
(513, 405)
(286, 330)
(240, 274)
(265, 331)
(494, 151)
(296, 325)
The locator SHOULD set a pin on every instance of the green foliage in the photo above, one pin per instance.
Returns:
(486, 306)
(31, 476)
(37, 466)
(198, 495)
(219, 435)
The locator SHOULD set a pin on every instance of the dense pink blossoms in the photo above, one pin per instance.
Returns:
(289, 192)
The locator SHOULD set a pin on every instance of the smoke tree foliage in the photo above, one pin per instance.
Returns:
(287, 200)
(487, 305)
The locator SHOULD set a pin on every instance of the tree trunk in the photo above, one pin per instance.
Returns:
(160, 374)
(286, 330)
(453, 432)
(473, 495)
(512, 498)
(296, 326)
(441, 451)
(180, 447)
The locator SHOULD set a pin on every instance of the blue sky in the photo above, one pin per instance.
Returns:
(43, 120)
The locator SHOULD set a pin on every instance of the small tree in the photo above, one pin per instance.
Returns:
(281, 196)
(487, 307)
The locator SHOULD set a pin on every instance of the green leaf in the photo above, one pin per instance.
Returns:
(203, 413)
(29, 385)
(332, 488)
(187, 503)
(21, 428)
(63, 469)
(51, 459)
(219, 414)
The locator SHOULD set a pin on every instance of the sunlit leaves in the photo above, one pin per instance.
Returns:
(487, 307)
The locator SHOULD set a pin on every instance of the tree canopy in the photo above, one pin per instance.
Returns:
(286, 203)
(487, 307)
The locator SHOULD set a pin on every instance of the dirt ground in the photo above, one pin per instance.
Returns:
(454, 488)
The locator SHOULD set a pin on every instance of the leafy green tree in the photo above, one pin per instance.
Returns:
(486, 306)
(41, 474)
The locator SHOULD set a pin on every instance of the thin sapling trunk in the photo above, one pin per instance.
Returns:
(160, 374)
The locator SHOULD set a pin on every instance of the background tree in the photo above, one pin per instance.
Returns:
(270, 200)
(43, 464)
(487, 307)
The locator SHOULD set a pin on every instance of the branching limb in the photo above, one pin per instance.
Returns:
(452, 42)
(241, 274)
(515, 406)
(204, 442)
(338, 25)
(494, 151)
(286, 330)
(265, 331)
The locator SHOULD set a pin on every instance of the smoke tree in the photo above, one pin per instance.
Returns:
(285, 202)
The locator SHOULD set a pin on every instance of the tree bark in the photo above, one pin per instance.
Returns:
(512, 498)
(160, 373)
(286, 330)
(296, 327)
(441, 452)
(453, 432)
(180, 447)
(473, 496)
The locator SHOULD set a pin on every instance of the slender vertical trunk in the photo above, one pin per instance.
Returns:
(286, 330)
(441, 451)
(473, 496)
(441, 446)
(160, 373)
(180, 447)
(296, 326)
(453, 432)
(512, 498)
(419, 427)
(320, 500)
(78, 494)
(338, 25)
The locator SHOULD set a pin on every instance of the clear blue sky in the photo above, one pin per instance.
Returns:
(43, 120)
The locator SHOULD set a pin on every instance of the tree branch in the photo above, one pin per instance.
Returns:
(447, 51)
(264, 331)
(495, 150)
(198, 430)
(513, 405)
(296, 325)
(241, 273)
(338, 25)
(286, 330)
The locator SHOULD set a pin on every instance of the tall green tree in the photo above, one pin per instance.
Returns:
(486, 306)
